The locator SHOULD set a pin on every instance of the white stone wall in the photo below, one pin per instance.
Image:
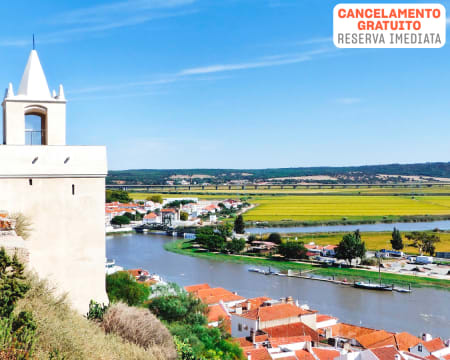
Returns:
(67, 242)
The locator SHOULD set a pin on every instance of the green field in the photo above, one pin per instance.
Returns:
(321, 208)
(276, 207)
(373, 240)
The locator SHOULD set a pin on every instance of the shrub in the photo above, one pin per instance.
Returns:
(64, 334)
(23, 225)
(140, 327)
(121, 286)
(96, 311)
(275, 238)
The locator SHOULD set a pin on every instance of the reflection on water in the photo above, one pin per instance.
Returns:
(425, 310)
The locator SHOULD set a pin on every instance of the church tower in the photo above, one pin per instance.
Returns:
(59, 188)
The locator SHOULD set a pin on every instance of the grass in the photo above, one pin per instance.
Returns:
(373, 240)
(64, 334)
(183, 247)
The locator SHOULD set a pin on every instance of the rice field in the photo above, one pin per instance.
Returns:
(316, 208)
(373, 240)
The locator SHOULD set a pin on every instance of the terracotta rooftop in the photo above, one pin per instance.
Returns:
(214, 295)
(194, 288)
(277, 341)
(275, 312)
(376, 339)
(434, 345)
(304, 355)
(348, 331)
(320, 318)
(386, 353)
(215, 313)
(325, 354)
(405, 341)
(258, 354)
(296, 329)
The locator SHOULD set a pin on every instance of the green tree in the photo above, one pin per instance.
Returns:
(235, 246)
(275, 238)
(423, 241)
(117, 195)
(184, 216)
(239, 225)
(121, 286)
(225, 230)
(210, 238)
(351, 247)
(396, 241)
(155, 198)
(120, 220)
(292, 250)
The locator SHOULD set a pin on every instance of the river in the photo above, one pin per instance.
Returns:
(412, 226)
(424, 310)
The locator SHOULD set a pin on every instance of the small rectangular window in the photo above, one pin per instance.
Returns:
(30, 181)
(240, 327)
(73, 189)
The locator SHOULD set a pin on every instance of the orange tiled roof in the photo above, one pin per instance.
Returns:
(214, 295)
(325, 354)
(348, 331)
(376, 339)
(194, 288)
(277, 341)
(275, 312)
(321, 318)
(405, 341)
(296, 329)
(434, 345)
(304, 355)
(386, 353)
(215, 313)
(150, 216)
(137, 272)
(244, 343)
(258, 354)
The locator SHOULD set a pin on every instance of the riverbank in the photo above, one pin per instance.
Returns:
(183, 247)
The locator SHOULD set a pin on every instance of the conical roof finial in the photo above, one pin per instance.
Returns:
(34, 84)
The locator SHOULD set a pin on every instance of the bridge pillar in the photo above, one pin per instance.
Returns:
(229, 187)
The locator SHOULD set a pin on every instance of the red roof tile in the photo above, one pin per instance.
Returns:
(376, 339)
(277, 341)
(348, 331)
(214, 295)
(275, 312)
(321, 318)
(258, 354)
(434, 345)
(194, 288)
(405, 341)
(304, 355)
(215, 313)
(386, 353)
(296, 329)
(325, 354)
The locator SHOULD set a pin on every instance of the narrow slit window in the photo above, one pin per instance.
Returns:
(73, 189)
(30, 181)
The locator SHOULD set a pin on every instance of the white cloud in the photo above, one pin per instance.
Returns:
(274, 60)
(348, 100)
(100, 18)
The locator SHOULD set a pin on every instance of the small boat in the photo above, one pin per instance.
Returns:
(403, 290)
(368, 286)
(269, 272)
(379, 286)
(256, 270)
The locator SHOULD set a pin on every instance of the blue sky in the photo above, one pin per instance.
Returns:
(230, 84)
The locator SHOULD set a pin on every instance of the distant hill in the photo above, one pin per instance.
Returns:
(322, 174)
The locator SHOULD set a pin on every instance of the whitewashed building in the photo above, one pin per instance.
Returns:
(60, 188)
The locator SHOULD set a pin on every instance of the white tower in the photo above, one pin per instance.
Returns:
(59, 188)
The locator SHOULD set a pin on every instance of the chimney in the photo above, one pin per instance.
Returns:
(290, 300)
(249, 357)
(309, 346)
(249, 305)
(328, 333)
(238, 309)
